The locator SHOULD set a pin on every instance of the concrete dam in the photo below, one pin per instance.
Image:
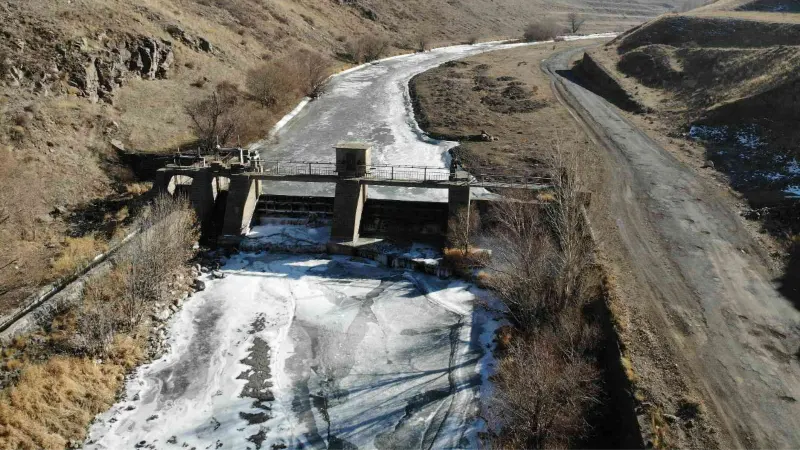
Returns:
(227, 198)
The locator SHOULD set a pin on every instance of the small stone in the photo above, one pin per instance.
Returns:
(217, 274)
(172, 440)
(199, 285)
(670, 418)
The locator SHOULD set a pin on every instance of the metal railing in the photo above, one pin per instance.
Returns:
(474, 176)
(368, 172)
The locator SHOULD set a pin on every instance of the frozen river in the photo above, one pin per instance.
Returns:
(291, 352)
(313, 353)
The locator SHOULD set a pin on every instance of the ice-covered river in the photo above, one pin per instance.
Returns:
(291, 352)
(298, 351)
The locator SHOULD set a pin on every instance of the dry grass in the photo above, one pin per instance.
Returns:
(138, 188)
(76, 253)
(52, 402)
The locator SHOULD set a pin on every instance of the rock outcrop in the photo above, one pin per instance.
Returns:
(97, 72)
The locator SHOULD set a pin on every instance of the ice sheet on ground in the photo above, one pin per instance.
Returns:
(357, 355)
(290, 234)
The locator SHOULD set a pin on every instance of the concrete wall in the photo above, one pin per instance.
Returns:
(407, 219)
(243, 196)
(348, 207)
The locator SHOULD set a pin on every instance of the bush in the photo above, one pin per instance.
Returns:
(544, 390)
(366, 49)
(278, 83)
(312, 70)
(541, 31)
(273, 84)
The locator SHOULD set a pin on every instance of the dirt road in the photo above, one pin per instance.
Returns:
(699, 277)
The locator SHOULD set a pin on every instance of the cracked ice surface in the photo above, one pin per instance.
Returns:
(357, 354)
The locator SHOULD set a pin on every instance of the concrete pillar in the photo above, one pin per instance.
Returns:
(243, 195)
(347, 208)
(458, 198)
(161, 183)
(201, 195)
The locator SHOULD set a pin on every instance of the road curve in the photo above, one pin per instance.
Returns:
(703, 276)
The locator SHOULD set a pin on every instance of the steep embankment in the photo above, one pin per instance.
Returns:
(76, 76)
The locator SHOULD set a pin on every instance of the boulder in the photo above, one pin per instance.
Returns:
(199, 285)
(218, 274)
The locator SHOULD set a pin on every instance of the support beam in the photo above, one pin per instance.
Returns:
(161, 183)
(347, 208)
(458, 198)
(242, 198)
(201, 195)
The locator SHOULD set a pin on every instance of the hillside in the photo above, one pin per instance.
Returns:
(79, 75)
(722, 90)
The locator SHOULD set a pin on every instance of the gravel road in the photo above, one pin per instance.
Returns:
(702, 276)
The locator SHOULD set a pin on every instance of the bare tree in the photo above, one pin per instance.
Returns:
(575, 21)
(215, 118)
(542, 248)
(566, 219)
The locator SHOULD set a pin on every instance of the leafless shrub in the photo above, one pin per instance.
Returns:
(98, 317)
(421, 42)
(215, 118)
(575, 21)
(168, 232)
(542, 30)
(366, 49)
(544, 390)
(541, 249)
(272, 84)
(312, 69)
